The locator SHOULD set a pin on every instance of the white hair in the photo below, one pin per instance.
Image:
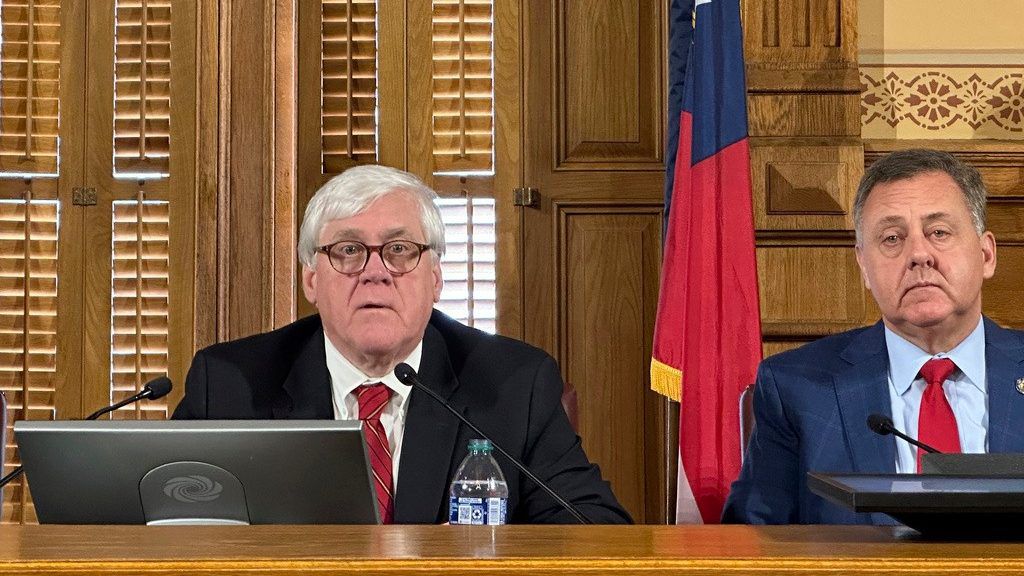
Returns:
(350, 192)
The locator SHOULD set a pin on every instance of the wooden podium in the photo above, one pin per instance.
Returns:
(456, 550)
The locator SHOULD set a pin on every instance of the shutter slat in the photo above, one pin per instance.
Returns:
(348, 57)
(29, 86)
(28, 314)
(463, 86)
(139, 283)
(142, 87)
(468, 263)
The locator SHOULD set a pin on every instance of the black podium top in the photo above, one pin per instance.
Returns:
(962, 506)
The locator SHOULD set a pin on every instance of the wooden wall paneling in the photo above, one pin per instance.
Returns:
(418, 75)
(67, 398)
(184, 167)
(96, 237)
(605, 72)
(803, 45)
(770, 347)
(508, 170)
(285, 223)
(394, 129)
(609, 286)
(802, 186)
(246, 248)
(208, 169)
(595, 137)
(806, 160)
(809, 287)
(309, 174)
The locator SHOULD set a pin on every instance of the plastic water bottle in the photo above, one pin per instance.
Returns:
(479, 494)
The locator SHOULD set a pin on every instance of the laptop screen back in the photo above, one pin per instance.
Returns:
(197, 472)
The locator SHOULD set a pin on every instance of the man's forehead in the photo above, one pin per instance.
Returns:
(898, 219)
(339, 229)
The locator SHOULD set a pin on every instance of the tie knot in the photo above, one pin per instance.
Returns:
(372, 399)
(937, 370)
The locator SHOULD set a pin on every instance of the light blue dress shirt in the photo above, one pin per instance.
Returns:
(966, 389)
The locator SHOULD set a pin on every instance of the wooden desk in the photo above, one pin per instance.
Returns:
(451, 550)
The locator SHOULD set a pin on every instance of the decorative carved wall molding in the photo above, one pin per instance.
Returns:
(943, 102)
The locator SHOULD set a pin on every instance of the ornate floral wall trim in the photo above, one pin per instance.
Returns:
(945, 103)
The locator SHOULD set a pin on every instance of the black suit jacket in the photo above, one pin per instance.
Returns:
(507, 388)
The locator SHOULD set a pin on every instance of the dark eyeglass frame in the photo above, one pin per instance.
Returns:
(379, 249)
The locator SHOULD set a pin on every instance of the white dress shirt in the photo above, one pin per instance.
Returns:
(966, 390)
(345, 378)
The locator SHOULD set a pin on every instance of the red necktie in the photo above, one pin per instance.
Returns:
(372, 400)
(936, 423)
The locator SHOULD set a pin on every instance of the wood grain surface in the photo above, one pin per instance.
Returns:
(596, 550)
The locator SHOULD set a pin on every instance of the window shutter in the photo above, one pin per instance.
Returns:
(468, 263)
(348, 83)
(463, 86)
(28, 332)
(463, 144)
(142, 87)
(139, 303)
(29, 78)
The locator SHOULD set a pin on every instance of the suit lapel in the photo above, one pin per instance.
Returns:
(1004, 353)
(306, 392)
(428, 444)
(862, 390)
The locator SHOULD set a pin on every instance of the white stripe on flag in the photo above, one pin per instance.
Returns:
(686, 505)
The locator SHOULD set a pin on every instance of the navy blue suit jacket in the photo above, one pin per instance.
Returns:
(810, 410)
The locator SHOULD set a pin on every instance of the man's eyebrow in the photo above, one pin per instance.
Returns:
(358, 234)
(936, 216)
(889, 221)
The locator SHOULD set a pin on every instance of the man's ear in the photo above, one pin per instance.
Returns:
(858, 251)
(438, 280)
(988, 252)
(309, 284)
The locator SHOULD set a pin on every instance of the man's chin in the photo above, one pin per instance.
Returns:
(925, 317)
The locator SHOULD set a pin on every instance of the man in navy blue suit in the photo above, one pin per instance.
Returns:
(934, 364)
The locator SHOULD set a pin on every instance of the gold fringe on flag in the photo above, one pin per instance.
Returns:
(666, 380)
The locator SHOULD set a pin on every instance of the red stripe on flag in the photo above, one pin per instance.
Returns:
(708, 323)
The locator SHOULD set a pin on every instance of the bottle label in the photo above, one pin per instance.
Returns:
(478, 511)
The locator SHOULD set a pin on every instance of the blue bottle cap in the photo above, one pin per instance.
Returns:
(480, 445)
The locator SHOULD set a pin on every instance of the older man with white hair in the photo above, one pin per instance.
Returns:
(371, 244)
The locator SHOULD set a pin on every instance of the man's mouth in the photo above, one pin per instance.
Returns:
(921, 284)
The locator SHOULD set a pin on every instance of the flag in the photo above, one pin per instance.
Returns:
(707, 336)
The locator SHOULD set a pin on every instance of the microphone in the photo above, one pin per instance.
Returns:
(882, 425)
(155, 388)
(406, 375)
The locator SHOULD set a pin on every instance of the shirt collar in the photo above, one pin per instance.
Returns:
(346, 377)
(906, 359)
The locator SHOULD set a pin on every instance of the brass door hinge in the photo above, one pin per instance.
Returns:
(526, 197)
(83, 196)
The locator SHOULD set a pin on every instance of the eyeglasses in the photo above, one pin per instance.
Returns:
(350, 256)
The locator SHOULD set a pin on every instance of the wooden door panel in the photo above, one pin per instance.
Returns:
(609, 284)
(608, 82)
(593, 110)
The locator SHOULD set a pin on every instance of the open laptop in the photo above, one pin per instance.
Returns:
(198, 472)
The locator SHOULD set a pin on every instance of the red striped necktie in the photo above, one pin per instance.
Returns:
(372, 400)
(936, 423)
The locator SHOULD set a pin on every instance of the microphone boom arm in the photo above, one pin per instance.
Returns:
(155, 388)
(414, 380)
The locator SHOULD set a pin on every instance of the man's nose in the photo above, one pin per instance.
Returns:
(919, 251)
(375, 271)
